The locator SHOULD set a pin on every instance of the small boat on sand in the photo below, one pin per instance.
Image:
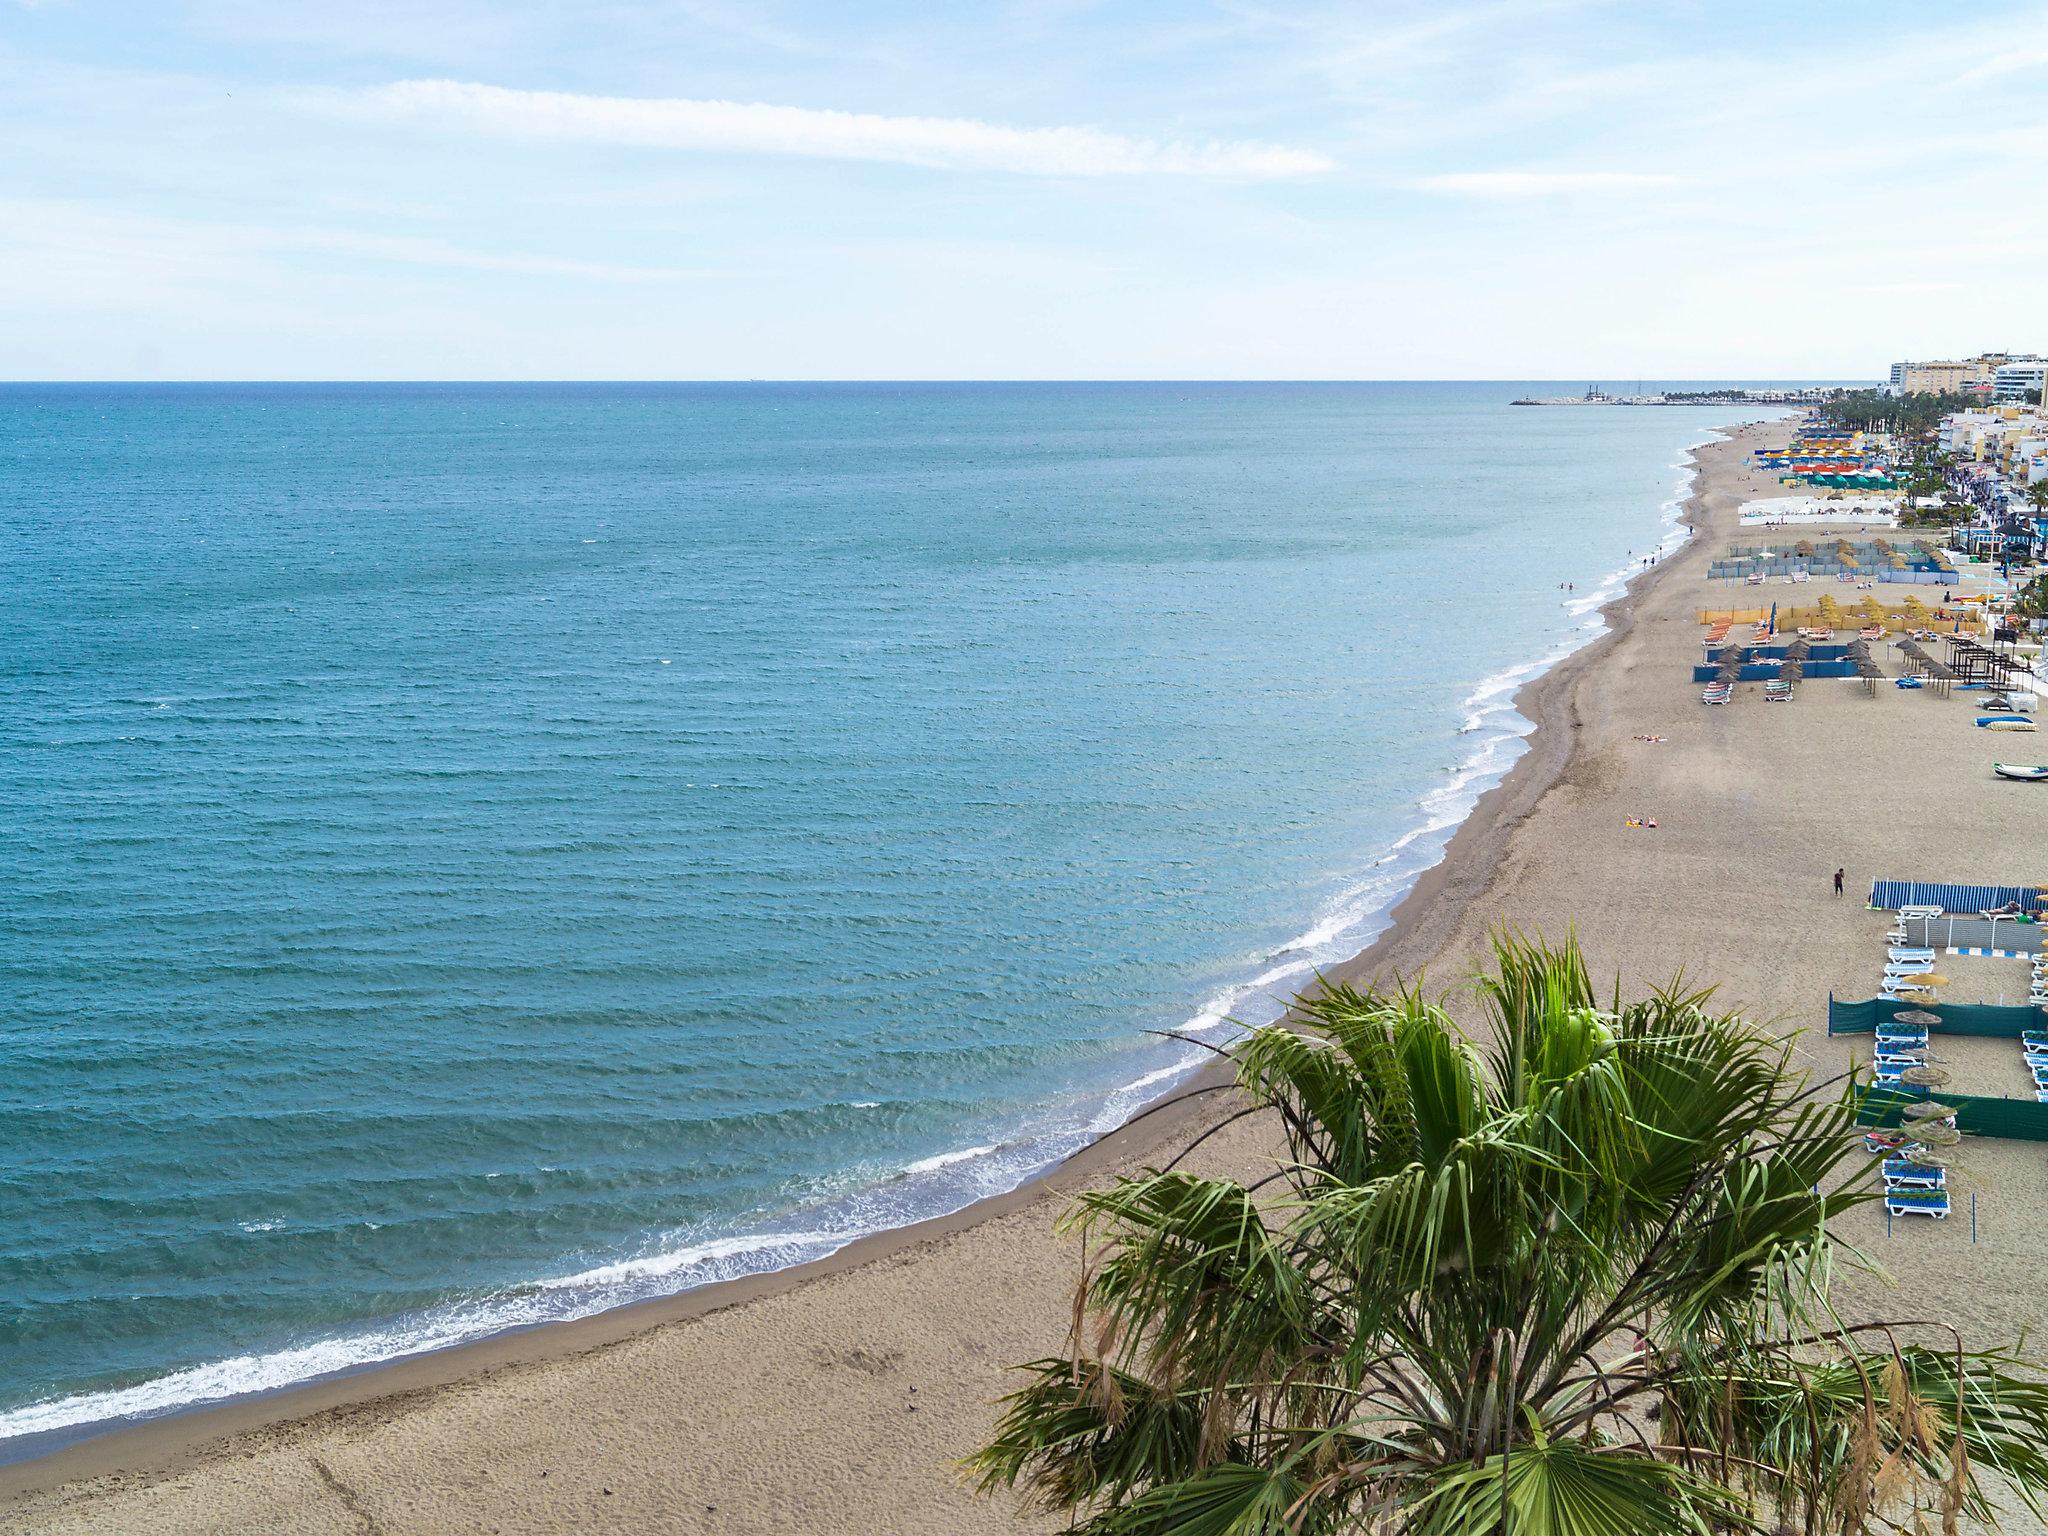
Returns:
(2005, 722)
(2028, 772)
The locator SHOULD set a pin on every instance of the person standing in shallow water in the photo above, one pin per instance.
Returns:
(1838, 881)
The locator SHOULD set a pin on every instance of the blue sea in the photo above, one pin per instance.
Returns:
(477, 855)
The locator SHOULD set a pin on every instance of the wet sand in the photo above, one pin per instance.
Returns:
(840, 1396)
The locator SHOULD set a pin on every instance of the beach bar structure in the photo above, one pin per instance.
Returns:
(1974, 662)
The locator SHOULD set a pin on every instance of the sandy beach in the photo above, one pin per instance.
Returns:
(840, 1397)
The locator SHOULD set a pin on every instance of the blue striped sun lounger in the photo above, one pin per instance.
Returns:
(1901, 1174)
(1909, 1202)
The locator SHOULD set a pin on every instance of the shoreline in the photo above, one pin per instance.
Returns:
(1419, 925)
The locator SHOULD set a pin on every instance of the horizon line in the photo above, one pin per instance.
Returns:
(1640, 378)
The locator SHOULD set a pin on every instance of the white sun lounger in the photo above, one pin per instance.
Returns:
(1901, 1174)
(1910, 1203)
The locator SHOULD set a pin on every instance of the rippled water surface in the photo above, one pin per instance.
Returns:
(473, 855)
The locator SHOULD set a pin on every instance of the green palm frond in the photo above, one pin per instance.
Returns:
(1484, 1267)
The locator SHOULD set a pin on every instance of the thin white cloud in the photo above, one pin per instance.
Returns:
(949, 143)
(81, 232)
(1508, 184)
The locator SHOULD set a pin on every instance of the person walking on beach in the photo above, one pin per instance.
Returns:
(1838, 881)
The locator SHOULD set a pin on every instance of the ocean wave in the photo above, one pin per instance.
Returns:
(947, 1159)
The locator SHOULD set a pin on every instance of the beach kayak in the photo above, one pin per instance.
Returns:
(2026, 771)
(2005, 722)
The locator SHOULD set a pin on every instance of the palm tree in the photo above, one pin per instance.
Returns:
(1574, 1283)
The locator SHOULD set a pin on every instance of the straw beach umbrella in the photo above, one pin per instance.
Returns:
(1927, 1109)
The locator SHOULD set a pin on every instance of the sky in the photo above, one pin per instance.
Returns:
(866, 189)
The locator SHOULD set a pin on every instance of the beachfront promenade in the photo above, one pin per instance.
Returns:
(840, 1400)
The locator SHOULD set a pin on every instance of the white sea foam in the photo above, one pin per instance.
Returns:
(946, 1159)
(931, 1186)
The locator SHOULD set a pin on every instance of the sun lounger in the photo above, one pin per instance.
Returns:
(1902, 952)
(1910, 1202)
(1902, 1174)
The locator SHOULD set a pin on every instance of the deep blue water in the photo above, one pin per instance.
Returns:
(473, 854)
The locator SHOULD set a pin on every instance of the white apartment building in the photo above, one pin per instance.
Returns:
(2020, 381)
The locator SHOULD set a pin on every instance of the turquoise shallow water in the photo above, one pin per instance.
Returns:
(474, 855)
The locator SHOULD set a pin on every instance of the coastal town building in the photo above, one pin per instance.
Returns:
(1960, 376)
(2021, 381)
